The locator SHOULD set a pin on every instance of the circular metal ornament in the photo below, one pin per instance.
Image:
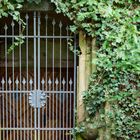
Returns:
(37, 98)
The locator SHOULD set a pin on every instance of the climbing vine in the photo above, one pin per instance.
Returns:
(11, 8)
(114, 89)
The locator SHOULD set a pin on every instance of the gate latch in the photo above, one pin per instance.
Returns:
(37, 98)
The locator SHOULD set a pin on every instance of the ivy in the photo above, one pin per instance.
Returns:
(12, 8)
(116, 26)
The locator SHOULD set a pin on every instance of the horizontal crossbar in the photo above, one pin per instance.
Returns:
(30, 91)
(31, 36)
(49, 129)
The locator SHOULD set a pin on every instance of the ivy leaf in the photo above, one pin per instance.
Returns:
(19, 1)
(10, 7)
(19, 6)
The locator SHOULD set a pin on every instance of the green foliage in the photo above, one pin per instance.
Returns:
(121, 90)
(116, 26)
(12, 8)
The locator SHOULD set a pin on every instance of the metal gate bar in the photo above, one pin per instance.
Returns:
(35, 70)
(27, 17)
(37, 93)
(38, 71)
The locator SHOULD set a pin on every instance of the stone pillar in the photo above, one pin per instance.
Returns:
(87, 47)
(81, 80)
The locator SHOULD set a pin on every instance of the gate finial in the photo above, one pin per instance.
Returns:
(63, 81)
(70, 82)
(56, 81)
(3, 81)
(17, 81)
(27, 16)
(5, 27)
(12, 23)
(60, 24)
(46, 17)
(31, 81)
(49, 81)
(53, 22)
(43, 81)
(9, 81)
(23, 81)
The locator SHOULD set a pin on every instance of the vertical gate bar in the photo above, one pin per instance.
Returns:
(43, 82)
(49, 82)
(38, 71)
(56, 82)
(13, 24)
(6, 54)
(60, 41)
(27, 17)
(35, 111)
(53, 77)
(17, 82)
(70, 84)
(34, 51)
(75, 74)
(14, 114)
(31, 118)
(24, 102)
(63, 82)
(9, 82)
(3, 82)
(67, 29)
(5, 27)
(39, 50)
(20, 83)
(53, 23)
(10, 112)
(46, 18)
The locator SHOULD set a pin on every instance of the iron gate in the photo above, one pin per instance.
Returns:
(38, 79)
